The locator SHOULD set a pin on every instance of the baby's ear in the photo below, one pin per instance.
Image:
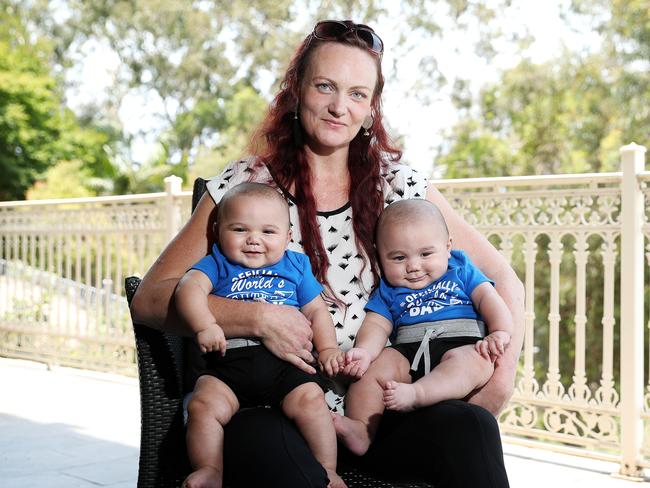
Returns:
(449, 247)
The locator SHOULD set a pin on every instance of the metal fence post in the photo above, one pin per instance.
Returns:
(173, 211)
(632, 269)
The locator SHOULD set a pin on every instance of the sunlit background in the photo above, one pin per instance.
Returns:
(109, 97)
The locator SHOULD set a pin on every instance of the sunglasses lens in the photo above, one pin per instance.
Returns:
(329, 29)
(371, 39)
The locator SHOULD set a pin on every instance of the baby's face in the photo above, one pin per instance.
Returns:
(254, 231)
(413, 254)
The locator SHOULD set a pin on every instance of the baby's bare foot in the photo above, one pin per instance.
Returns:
(335, 480)
(400, 397)
(353, 434)
(205, 477)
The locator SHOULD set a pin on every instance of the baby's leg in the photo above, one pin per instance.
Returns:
(461, 371)
(306, 406)
(211, 407)
(364, 403)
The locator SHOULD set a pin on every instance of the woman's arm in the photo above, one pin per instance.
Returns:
(492, 308)
(495, 394)
(284, 330)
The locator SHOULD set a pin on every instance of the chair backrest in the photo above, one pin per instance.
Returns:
(200, 186)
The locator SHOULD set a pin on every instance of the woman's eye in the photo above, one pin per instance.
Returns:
(324, 87)
(359, 95)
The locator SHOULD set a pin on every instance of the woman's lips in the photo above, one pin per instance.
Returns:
(334, 123)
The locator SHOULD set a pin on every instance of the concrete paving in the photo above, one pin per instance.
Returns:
(68, 428)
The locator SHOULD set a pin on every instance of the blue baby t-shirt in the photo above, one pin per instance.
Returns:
(290, 281)
(446, 298)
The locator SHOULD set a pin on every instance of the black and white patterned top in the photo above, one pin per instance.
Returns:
(344, 274)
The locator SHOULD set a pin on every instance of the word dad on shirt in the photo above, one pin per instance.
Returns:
(433, 298)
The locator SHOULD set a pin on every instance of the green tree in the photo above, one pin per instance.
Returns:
(625, 28)
(28, 108)
(67, 179)
(563, 116)
(243, 112)
(35, 130)
(568, 115)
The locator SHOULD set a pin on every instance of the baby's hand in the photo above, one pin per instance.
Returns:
(211, 339)
(493, 345)
(357, 361)
(331, 361)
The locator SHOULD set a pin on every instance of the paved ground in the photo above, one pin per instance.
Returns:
(68, 428)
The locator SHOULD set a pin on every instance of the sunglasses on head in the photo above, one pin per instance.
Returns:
(334, 30)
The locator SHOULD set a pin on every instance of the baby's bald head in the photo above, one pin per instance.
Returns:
(411, 211)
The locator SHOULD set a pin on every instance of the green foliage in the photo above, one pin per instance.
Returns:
(35, 131)
(28, 108)
(568, 115)
(563, 116)
(243, 112)
(67, 179)
(145, 178)
(476, 152)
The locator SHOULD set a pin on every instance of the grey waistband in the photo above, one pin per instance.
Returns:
(449, 328)
(240, 342)
(428, 331)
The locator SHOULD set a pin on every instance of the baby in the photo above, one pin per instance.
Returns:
(251, 262)
(428, 302)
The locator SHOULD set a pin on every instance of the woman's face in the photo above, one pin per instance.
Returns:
(335, 95)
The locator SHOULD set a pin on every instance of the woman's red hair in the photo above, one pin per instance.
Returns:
(278, 144)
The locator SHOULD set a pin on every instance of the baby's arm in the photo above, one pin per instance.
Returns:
(498, 319)
(191, 297)
(371, 340)
(330, 357)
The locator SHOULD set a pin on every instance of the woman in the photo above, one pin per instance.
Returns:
(324, 144)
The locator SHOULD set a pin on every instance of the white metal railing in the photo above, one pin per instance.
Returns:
(572, 240)
(576, 241)
(62, 268)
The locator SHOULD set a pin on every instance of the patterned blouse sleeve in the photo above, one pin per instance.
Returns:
(235, 173)
(404, 182)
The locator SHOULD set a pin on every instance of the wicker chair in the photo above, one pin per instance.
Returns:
(161, 367)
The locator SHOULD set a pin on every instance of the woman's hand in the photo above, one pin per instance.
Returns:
(287, 333)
